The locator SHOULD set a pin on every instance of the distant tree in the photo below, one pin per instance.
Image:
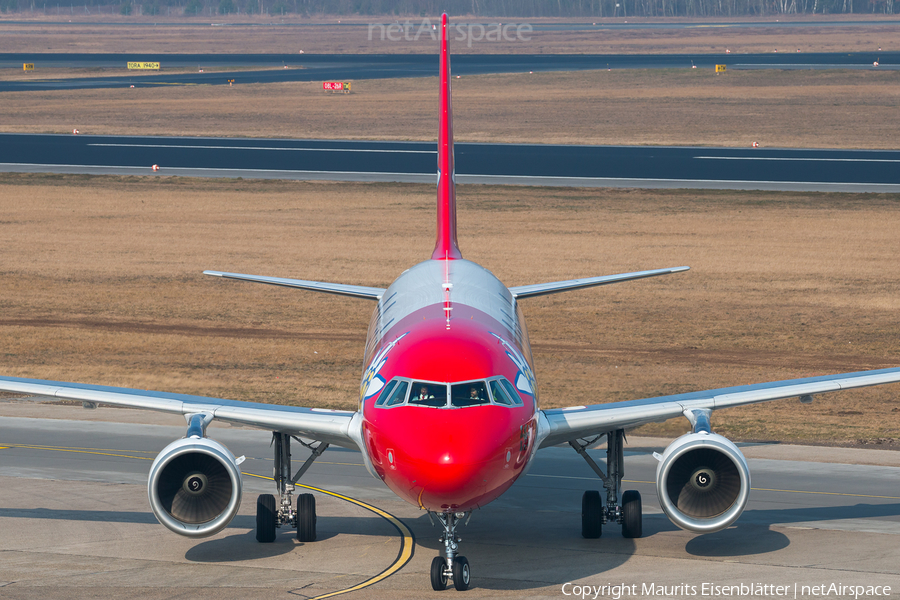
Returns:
(193, 7)
(227, 7)
(125, 8)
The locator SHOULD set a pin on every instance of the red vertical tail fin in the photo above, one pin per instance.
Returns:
(446, 246)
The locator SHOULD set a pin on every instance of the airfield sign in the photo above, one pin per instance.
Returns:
(151, 66)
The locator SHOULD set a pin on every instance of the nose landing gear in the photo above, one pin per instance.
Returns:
(450, 565)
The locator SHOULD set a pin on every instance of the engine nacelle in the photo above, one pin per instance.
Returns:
(702, 482)
(195, 487)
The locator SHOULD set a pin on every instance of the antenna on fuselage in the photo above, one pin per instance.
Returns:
(445, 247)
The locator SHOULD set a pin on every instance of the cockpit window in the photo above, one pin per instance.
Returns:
(428, 394)
(499, 394)
(516, 398)
(396, 396)
(386, 393)
(469, 394)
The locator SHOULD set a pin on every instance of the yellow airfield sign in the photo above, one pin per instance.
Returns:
(154, 66)
(28, 67)
(720, 68)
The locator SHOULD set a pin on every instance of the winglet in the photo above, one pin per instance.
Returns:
(446, 246)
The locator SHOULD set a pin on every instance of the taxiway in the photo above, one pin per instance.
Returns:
(344, 67)
(75, 522)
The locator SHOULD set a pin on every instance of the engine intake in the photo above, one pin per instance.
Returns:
(195, 487)
(703, 482)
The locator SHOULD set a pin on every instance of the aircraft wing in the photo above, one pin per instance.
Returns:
(540, 289)
(331, 426)
(342, 289)
(561, 425)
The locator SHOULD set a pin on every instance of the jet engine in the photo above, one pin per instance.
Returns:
(702, 482)
(195, 487)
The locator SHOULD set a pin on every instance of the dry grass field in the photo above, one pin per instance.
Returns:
(838, 109)
(291, 34)
(102, 283)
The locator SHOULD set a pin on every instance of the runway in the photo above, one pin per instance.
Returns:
(610, 23)
(521, 164)
(348, 67)
(75, 522)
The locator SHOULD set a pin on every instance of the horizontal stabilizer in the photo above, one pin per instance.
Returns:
(540, 289)
(357, 291)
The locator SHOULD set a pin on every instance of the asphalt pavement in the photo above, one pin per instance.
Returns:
(75, 522)
(523, 164)
(349, 67)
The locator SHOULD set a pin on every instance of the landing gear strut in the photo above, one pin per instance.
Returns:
(449, 565)
(593, 514)
(272, 513)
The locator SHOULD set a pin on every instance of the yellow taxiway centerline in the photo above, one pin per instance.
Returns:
(407, 540)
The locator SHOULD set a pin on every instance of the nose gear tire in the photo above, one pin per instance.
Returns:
(438, 578)
(460, 573)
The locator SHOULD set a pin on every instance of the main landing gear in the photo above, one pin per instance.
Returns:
(272, 512)
(449, 565)
(593, 515)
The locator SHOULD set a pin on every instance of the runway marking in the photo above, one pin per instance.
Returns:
(478, 178)
(874, 160)
(77, 451)
(108, 451)
(407, 539)
(799, 66)
(827, 493)
(42, 447)
(165, 168)
(881, 160)
(462, 176)
(266, 148)
(753, 488)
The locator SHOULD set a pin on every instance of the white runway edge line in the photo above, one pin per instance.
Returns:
(873, 160)
(467, 175)
(670, 180)
(807, 66)
(265, 148)
(474, 177)
(235, 170)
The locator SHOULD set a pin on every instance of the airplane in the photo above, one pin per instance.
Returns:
(449, 414)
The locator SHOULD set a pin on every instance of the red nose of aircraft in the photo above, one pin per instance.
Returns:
(447, 459)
